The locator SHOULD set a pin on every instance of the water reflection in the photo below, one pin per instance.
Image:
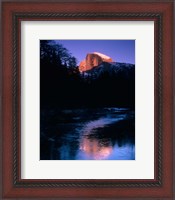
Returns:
(92, 148)
(107, 133)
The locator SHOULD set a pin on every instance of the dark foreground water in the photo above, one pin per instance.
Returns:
(87, 134)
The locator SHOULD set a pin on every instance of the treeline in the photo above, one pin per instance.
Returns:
(62, 85)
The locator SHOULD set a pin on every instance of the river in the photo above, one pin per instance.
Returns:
(87, 134)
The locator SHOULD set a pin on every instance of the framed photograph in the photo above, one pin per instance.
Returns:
(87, 107)
(82, 104)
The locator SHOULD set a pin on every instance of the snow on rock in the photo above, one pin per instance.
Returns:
(105, 57)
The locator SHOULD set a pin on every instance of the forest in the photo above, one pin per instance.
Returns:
(62, 85)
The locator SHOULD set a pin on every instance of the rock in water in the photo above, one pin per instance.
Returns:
(92, 60)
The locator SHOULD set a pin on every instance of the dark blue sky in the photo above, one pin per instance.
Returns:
(118, 50)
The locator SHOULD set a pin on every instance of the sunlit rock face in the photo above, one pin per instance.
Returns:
(92, 60)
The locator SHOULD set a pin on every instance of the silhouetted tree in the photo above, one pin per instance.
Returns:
(57, 68)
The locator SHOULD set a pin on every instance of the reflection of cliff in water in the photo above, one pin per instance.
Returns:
(88, 134)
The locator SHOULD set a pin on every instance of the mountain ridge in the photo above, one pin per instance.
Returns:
(112, 69)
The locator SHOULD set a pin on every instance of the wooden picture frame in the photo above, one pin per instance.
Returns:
(161, 12)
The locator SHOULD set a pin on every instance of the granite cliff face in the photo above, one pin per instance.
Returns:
(92, 60)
